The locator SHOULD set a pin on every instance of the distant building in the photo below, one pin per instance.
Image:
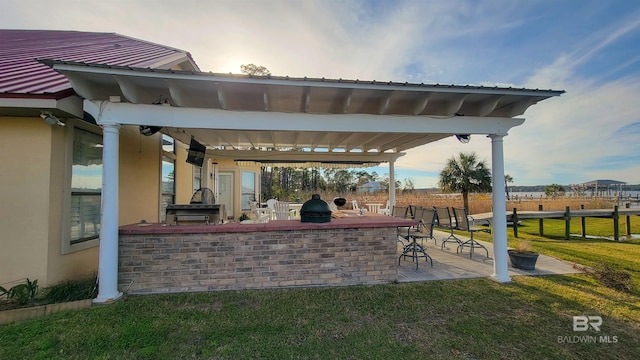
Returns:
(371, 187)
(602, 187)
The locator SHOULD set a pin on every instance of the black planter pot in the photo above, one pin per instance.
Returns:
(524, 261)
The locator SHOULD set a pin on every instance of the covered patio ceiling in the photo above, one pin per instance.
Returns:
(297, 119)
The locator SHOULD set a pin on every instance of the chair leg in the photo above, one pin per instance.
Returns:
(451, 237)
(471, 243)
(435, 241)
(412, 250)
(400, 238)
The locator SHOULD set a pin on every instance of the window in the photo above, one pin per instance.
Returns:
(197, 177)
(83, 204)
(168, 183)
(248, 189)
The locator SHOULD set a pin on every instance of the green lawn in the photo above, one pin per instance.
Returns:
(593, 252)
(530, 318)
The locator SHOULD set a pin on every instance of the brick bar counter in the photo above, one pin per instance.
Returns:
(351, 250)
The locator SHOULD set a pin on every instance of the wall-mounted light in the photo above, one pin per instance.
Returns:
(50, 119)
(463, 138)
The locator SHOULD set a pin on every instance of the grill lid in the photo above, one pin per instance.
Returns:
(339, 201)
(315, 210)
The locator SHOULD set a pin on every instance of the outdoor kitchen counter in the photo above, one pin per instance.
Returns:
(350, 250)
(346, 222)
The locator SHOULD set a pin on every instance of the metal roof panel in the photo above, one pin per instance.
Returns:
(21, 73)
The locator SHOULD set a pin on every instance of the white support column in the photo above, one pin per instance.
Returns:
(500, 263)
(392, 184)
(205, 180)
(108, 257)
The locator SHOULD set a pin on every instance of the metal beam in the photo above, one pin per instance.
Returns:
(303, 156)
(167, 116)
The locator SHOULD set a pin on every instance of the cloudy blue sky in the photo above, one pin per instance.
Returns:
(590, 48)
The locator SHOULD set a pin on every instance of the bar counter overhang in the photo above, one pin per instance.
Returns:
(350, 250)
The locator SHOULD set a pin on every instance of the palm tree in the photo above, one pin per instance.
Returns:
(507, 179)
(554, 190)
(465, 175)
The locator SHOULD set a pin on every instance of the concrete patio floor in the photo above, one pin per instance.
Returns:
(449, 265)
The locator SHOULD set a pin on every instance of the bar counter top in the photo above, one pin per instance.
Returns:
(345, 222)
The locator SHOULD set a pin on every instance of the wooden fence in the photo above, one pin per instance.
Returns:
(478, 203)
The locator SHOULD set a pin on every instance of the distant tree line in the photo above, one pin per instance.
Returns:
(464, 174)
(289, 183)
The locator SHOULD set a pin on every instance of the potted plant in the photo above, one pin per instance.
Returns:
(522, 256)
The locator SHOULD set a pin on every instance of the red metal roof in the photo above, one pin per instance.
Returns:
(20, 73)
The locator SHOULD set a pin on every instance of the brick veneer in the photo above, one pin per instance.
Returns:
(175, 262)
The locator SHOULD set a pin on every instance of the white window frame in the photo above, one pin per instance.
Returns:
(172, 156)
(66, 246)
(244, 205)
(197, 178)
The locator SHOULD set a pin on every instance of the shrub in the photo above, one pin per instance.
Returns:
(523, 247)
(72, 290)
(22, 293)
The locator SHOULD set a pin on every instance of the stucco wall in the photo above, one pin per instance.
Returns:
(33, 173)
(139, 184)
(184, 175)
(25, 145)
(75, 264)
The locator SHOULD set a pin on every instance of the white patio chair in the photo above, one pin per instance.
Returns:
(282, 210)
(270, 205)
(387, 209)
(261, 214)
(354, 203)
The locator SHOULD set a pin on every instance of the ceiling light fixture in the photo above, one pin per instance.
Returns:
(463, 138)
